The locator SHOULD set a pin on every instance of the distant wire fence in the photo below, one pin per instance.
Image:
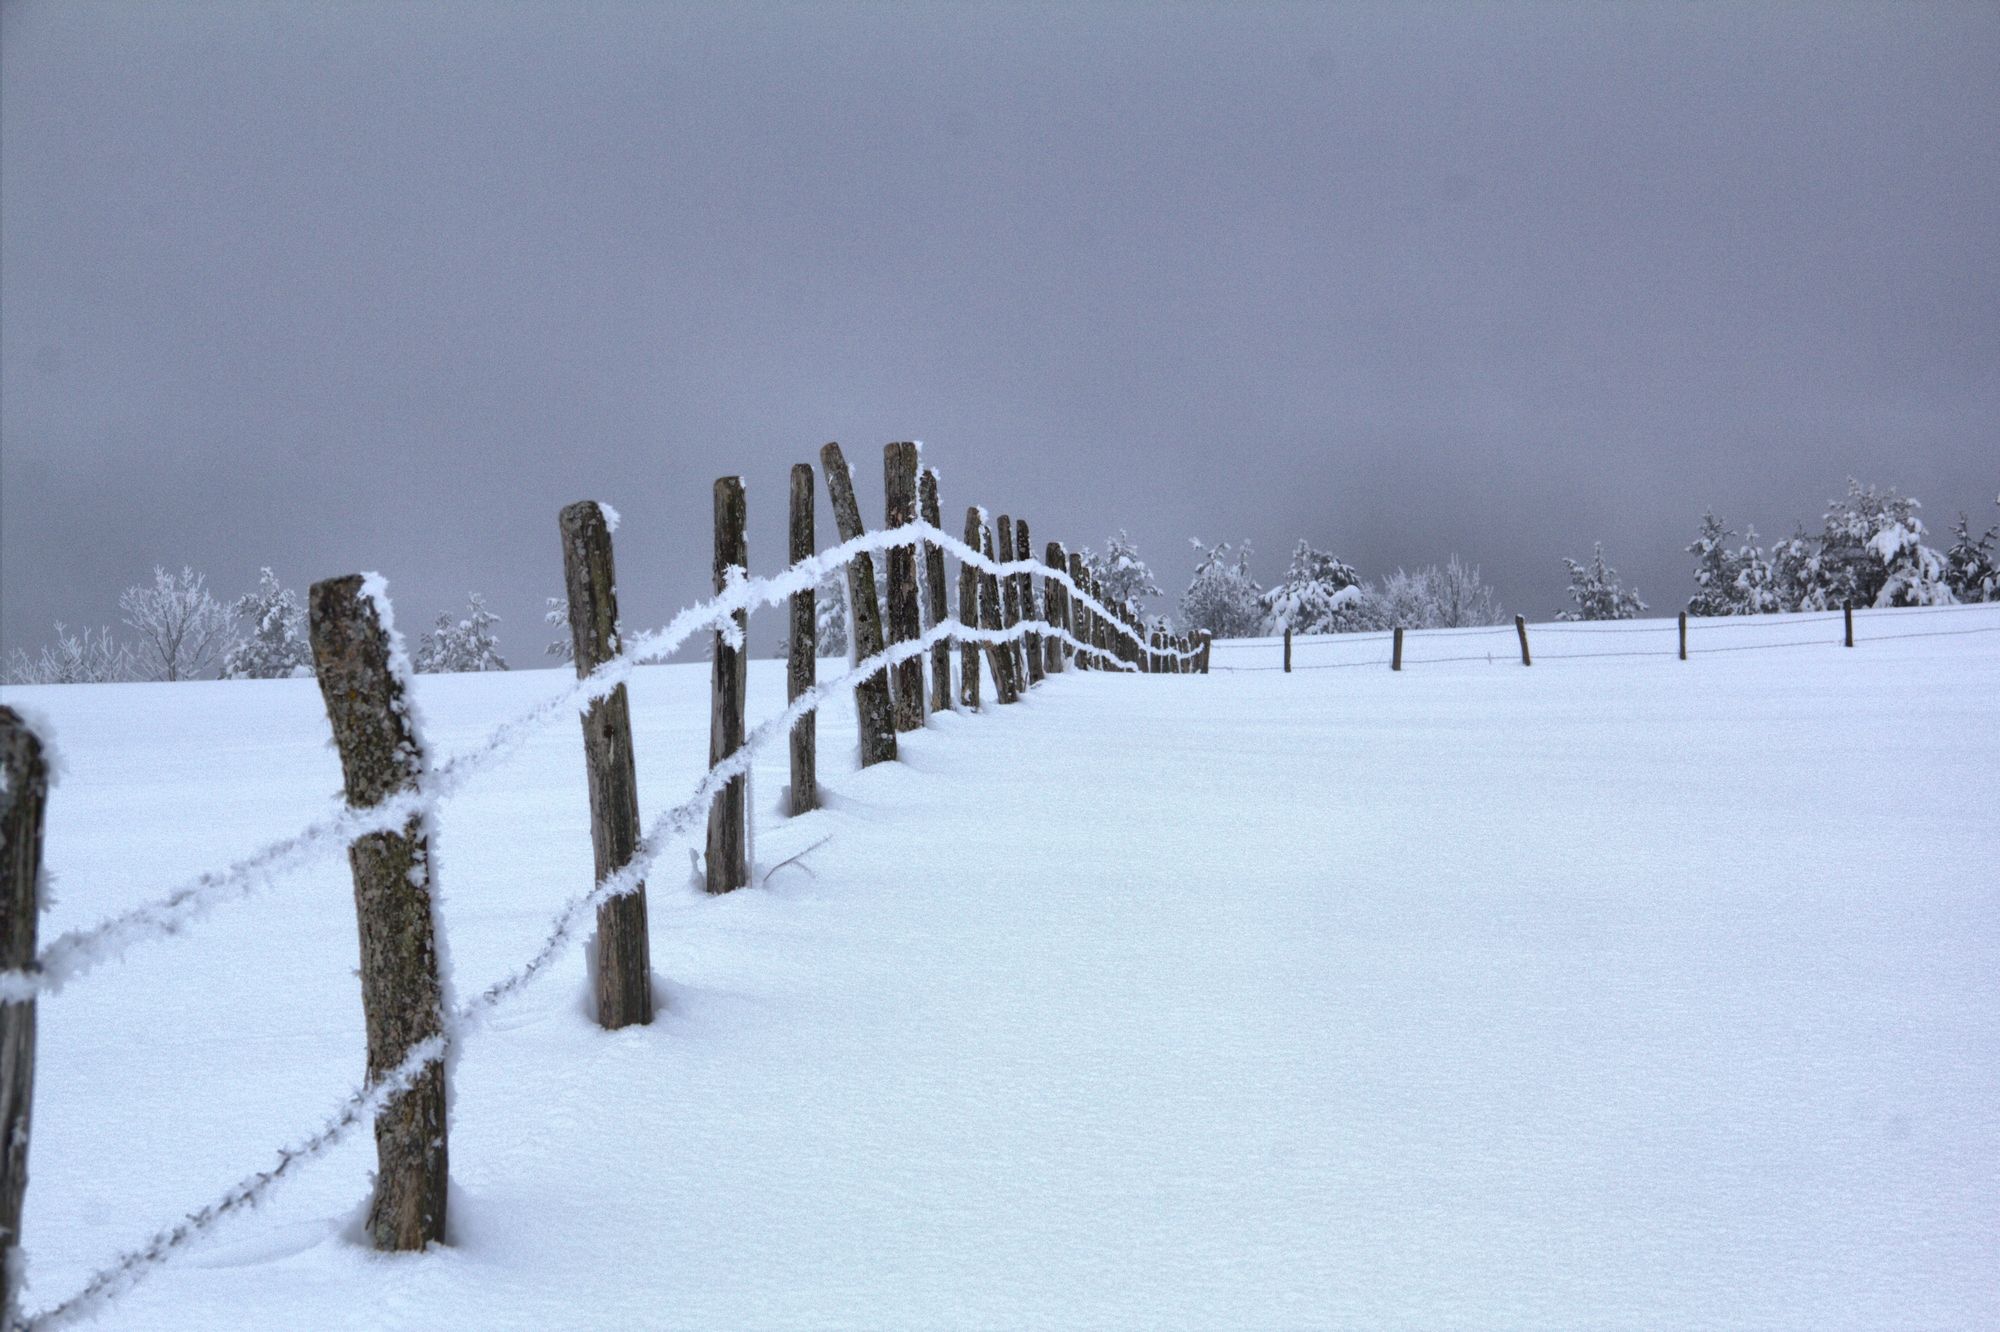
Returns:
(1681, 638)
(1001, 630)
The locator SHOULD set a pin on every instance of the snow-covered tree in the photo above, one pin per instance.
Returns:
(1797, 583)
(276, 645)
(85, 658)
(1970, 568)
(1459, 597)
(1595, 589)
(1716, 568)
(1305, 598)
(182, 629)
(464, 645)
(1872, 552)
(1222, 598)
(829, 618)
(563, 646)
(1123, 575)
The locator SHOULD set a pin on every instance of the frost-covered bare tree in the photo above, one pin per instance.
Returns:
(85, 658)
(182, 629)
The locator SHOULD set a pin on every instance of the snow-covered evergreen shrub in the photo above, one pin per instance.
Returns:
(182, 629)
(1305, 598)
(563, 646)
(1595, 589)
(1222, 598)
(467, 645)
(1970, 569)
(276, 646)
(1121, 573)
(1872, 552)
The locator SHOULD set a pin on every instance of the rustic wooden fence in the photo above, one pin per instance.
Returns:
(392, 788)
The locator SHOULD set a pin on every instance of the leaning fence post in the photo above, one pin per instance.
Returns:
(802, 668)
(1024, 549)
(1848, 610)
(927, 504)
(1054, 609)
(1684, 635)
(1006, 683)
(968, 615)
(1396, 652)
(624, 978)
(24, 795)
(360, 664)
(1010, 602)
(899, 489)
(1079, 614)
(728, 817)
(1521, 628)
(871, 697)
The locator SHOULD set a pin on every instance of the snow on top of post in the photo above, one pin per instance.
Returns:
(610, 515)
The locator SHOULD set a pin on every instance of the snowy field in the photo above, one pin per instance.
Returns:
(1618, 992)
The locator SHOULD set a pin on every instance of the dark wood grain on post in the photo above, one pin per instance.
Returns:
(1010, 602)
(729, 816)
(623, 967)
(400, 994)
(1684, 635)
(1024, 550)
(1101, 636)
(899, 489)
(1848, 615)
(1005, 681)
(872, 707)
(1079, 614)
(1055, 609)
(802, 664)
(934, 596)
(24, 797)
(1288, 649)
(1396, 652)
(968, 615)
(1521, 628)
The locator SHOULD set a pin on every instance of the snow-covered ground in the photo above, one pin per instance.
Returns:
(1618, 992)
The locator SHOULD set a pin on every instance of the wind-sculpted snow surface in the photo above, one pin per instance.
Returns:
(1615, 993)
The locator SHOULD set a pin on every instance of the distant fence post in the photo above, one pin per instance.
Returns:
(1521, 628)
(24, 795)
(728, 817)
(1006, 686)
(1010, 602)
(871, 697)
(934, 596)
(1684, 635)
(400, 994)
(1396, 652)
(1288, 649)
(968, 615)
(1024, 550)
(1207, 649)
(1101, 636)
(1054, 609)
(802, 668)
(1848, 615)
(899, 488)
(624, 980)
(1079, 614)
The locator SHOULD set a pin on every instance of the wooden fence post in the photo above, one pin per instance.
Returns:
(1079, 614)
(1848, 611)
(728, 817)
(871, 697)
(24, 795)
(1521, 628)
(802, 668)
(1288, 649)
(968, 615)
(927, 503)
(899, 488)
(1684, 635)
(1010, 602)
(624, 976)
(1006, 685)
(1024, 549)
(1207, 649)
(400, 995)
(1055, 608)
(1396, 653)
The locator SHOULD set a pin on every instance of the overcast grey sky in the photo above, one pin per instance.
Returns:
(342, 286)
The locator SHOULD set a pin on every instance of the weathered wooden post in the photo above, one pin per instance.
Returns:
(1684, 635)
(1521, 628)
(1079, 614)
(1848, 614)
(24, 796)
(968, 615)
(1006, 683)
(802, 668)
(1010, 601)
(1396, 652)
(380, 756)
(1024, 550)
(927, 502)
(1207, 648)
(729, 816)
(1101, 635)
(871, 697)
(1288, 649)
(1055, 608)
(899, 487)
(623, 965)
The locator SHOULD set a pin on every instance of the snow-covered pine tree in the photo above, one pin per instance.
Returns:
(1595, 589)
(1121, 572)
(1797, 582)
(1872, 552)
(276, 646)
(1716, 570)
(467, 645)
(829, 618)
(1970, 568)
(1305, 598)
(1222, 598)
(563, 646)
